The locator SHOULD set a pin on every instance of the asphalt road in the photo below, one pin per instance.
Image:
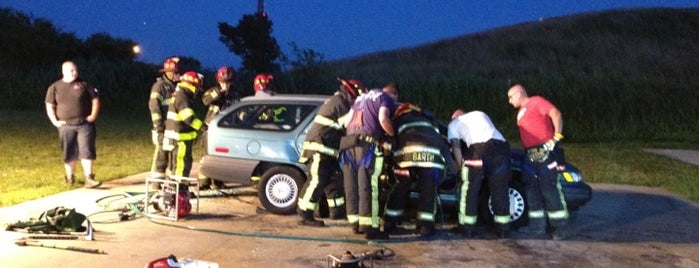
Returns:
(622, 226)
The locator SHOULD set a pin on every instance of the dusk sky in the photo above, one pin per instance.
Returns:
(335, 28)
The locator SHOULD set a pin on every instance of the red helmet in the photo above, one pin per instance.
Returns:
(170, 65)
(192, 78)
(353, 87)
(406, 108)
(225, 74)
(261, 81)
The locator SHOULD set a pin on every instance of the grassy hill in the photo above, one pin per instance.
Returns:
(621, 74)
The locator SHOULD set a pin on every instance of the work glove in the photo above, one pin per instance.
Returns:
(549, 145)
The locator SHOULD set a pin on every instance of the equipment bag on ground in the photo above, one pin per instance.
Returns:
(55, 220)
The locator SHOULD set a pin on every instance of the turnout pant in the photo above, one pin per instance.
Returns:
(427, 180)
(325, 178)
(181, 158)
(161, 158)
(361, 167)
(543, 189)
(486, 161)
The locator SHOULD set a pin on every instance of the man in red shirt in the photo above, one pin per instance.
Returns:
(540, 126)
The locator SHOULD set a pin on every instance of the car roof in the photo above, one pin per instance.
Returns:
(287, 98)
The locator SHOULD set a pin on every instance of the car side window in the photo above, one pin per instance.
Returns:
(273, 117)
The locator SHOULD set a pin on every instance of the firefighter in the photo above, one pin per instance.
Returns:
(320, 153)
(217, 98)
(362, 159)
(262, 86)
(540, 129)
(423, 151)
(161, 95)
(487, 156)
(182, 125)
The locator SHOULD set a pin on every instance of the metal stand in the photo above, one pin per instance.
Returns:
(176, 180)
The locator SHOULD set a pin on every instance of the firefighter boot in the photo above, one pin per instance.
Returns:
(70, 181)
(426, 229)
(375, 234)
(465, 230)
(308, 220)
(536, 228)
(338, 213)
(90, 182)
(501, 231)
(560, 232)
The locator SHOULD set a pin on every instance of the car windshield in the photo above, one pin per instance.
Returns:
(273, 117)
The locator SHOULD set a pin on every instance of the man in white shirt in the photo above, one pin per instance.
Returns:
(487, 156)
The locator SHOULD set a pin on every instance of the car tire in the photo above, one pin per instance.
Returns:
(518, 205)
(279, 189)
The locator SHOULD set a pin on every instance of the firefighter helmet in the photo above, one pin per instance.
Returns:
(261, 81)
(170, 65)
(406, 108)
(192, 78)
(225, 74)
(352, 86)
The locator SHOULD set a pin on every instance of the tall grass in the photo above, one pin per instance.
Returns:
(623, 75)
(32, 156)
(615, 75)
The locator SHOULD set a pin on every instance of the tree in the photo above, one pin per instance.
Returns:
(103, 45)
(29, 43)
(252, 40)
(306, 72)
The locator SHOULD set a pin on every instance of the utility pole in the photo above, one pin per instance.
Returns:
(261, 6)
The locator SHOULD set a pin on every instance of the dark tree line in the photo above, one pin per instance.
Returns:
(35, 42)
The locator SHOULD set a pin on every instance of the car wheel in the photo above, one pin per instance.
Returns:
(279, 189)
(518, 204)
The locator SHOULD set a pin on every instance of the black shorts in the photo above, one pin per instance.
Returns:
(78, 142)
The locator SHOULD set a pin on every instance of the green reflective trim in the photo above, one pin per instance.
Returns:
(352, 218)
(502, 219)
(336, 202)
(378, 166)
(416, 149)
(305, 200)
(317, 147)
(322, 120)
(181, 152)
(405, 164)
(185, 113)
(558, 215)
(394, 212)
(416, 124)
(196, 124)
(467, 219)
(464, 190)
(365, 221)
(536, 214)
(425, 216)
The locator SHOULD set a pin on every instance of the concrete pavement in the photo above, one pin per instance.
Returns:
(232, 231)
